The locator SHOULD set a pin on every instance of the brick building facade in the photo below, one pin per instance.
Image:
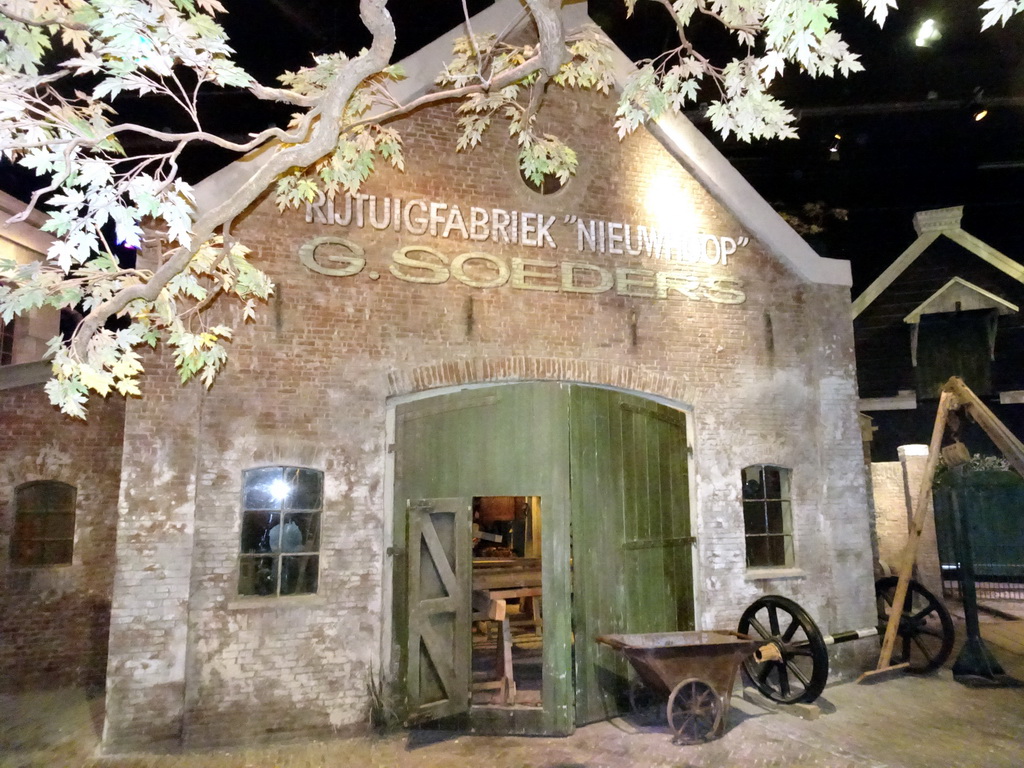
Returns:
(54, 605)
(482, 285)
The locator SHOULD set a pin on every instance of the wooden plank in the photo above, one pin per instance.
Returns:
(627, 456)
(505, 670)
(596, 526)
(917, 526)
(507, 580)
(671, 541)
(508, 594)
(507, 564)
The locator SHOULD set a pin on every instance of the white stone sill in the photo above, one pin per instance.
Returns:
(763, 574)
(274, 603)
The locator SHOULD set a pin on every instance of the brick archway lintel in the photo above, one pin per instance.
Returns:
(449, 373)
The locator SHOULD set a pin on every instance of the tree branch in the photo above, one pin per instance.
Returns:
(527, 68)
(56, 20)
(323, 138)
(548, 17)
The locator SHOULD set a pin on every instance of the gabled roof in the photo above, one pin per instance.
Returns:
(677, 134)
(959, 294)
(930, 226)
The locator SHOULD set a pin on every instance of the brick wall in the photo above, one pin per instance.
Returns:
(770, 380)
(54, 620)
(897, 485)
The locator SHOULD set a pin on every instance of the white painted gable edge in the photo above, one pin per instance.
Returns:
(27, 234)
(927, 236)
(1004, 306)
(677, 134)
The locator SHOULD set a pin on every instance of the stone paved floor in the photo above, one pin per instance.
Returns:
(904, 722)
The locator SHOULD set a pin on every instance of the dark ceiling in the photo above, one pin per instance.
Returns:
(908, 139)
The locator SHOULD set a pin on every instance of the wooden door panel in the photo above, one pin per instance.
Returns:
(631, 535)
(439, 612)
(500, 441)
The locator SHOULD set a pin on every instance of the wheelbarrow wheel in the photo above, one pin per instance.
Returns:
(801, 673)
(925, 632)
(694, 711)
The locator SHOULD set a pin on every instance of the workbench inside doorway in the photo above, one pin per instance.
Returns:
(607, 472)
(507, 599)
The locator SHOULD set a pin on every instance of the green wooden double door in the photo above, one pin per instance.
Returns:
(610, 470)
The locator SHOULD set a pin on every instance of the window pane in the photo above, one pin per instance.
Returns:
(256, 527)
(757, 551)
(30, 500)
(60, 526)
(264, 488)
(46, 496)
(28, 526)
(776, 523)
(307, 485)
(777, 550)
(753, 517)
(57, 553)
(301, 532)
(753, 485)
(257, 576)
(784, 484)
(299, 574)
(772, 483)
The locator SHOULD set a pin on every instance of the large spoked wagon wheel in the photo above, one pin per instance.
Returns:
(801, 673)
(694, 711)
(925, 632)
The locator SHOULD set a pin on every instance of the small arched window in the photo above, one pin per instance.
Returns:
(767, 516)
(44, 524)
(280, 541)
(6, 342)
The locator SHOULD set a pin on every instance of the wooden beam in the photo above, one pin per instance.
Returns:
(1000, 434)
(920, 514)
(505, 580)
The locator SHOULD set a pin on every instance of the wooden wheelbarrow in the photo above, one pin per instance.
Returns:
(695, 670)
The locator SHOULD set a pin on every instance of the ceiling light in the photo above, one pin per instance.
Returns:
(927, 33)
(978, 109)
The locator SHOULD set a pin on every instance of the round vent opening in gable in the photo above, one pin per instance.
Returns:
(549, 183)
